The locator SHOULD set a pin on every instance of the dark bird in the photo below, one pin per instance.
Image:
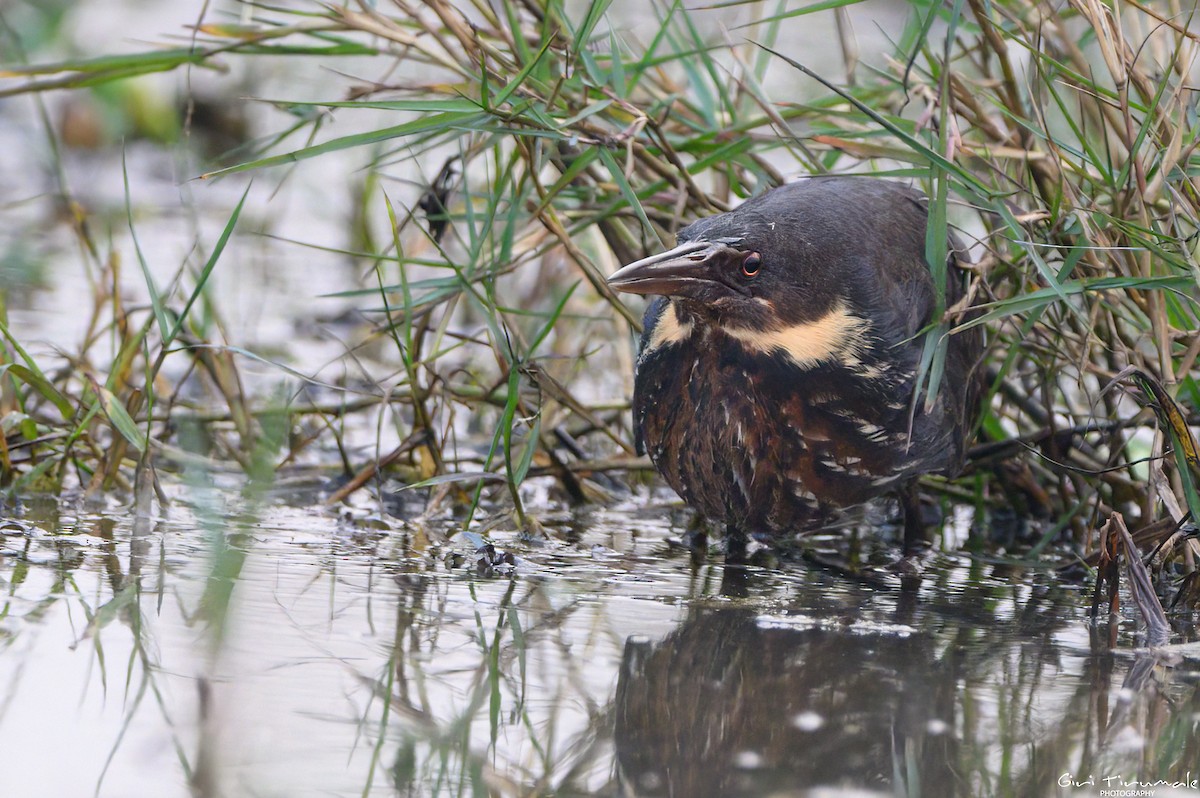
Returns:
(776, 374)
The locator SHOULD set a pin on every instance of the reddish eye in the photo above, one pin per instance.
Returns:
(752, 264)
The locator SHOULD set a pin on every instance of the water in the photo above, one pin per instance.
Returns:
(277, 651)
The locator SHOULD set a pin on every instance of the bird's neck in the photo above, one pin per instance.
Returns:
(838, 346)
(838, 337)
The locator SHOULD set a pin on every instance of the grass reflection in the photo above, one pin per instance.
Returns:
(342, 669)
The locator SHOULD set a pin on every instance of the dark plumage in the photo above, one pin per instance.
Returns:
(775, 376)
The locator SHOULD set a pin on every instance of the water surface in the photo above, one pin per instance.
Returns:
(228, 648)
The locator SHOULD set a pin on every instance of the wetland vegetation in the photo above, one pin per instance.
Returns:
(316, 469)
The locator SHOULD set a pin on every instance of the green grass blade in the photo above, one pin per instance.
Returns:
(156, 302)
(120, 418)
(209, 265)
(438, 122)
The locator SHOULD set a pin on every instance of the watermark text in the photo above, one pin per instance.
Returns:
(1120, 787)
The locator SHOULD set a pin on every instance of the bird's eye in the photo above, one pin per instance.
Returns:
(752, 264)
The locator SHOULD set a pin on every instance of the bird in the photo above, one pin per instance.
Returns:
(777, 373)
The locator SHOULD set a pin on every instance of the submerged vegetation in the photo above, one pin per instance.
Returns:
(529, 147)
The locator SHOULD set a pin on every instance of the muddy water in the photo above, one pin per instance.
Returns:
(226, 649)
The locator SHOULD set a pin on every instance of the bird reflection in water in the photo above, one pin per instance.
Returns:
(737, 704)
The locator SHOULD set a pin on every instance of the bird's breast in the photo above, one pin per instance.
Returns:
(755, 440)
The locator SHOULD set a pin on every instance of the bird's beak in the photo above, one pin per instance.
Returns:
(678, 272)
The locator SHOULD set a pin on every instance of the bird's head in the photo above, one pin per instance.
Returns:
(736, 270)
(803, 268)
(790, 255)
